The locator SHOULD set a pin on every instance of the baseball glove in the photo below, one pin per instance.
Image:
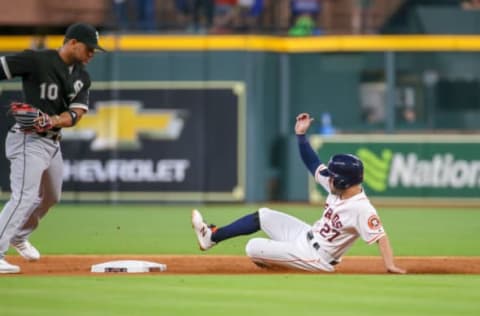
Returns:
(30, 118)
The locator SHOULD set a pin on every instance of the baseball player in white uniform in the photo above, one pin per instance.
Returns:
(293, 243)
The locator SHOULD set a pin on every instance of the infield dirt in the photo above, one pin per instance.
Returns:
(208, 264)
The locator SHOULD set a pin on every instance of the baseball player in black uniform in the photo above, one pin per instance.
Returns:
(56, 83)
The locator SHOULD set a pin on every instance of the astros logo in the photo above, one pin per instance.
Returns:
(118, 124)
(374, 222)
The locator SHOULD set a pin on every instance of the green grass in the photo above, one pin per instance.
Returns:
(146, 229)
(166, 229)
(241, 295)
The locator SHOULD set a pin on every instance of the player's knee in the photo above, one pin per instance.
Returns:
(267, 217)
(23, 200)
(263, 212)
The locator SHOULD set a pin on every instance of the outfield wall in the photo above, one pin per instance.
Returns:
(236, 98)
(409, 168)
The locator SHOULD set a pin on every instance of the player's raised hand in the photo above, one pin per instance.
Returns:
(303, 123)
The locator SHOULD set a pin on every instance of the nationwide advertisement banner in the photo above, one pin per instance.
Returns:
(161, 141)
(416, 166)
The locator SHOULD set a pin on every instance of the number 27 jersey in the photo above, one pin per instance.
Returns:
(48, 83)
(345, 220)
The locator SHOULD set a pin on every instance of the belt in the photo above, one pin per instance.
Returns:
(316, 246)
(50, 135)
(56, 137)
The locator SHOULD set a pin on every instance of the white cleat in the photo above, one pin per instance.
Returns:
(27, 251)
(203, 232)
(6, 267)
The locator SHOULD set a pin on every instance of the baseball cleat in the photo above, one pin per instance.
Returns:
(27, 250)
(6, 267)
(202, 230)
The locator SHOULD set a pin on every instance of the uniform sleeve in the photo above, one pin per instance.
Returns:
(309, 157)
(369, 226)
(312, 161)
(82, 99)
(17, 65)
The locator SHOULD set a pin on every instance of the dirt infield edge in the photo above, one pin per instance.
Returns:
(209, 264)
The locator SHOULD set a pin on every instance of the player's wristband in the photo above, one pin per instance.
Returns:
(73, 116)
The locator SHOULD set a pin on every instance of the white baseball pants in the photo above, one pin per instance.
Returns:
(287, 245)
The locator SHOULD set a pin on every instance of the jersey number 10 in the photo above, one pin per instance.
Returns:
(48, 91)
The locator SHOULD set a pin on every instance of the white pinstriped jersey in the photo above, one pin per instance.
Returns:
(343, 221)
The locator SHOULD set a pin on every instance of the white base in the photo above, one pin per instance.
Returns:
(128, 266)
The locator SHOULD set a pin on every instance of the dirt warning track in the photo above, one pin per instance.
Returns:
(208, 264)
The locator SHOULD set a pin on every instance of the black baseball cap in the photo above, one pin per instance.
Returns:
(84, 33)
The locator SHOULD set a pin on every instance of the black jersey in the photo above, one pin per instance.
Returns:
(48, 83)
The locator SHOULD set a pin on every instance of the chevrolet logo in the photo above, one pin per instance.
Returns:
(118, 124)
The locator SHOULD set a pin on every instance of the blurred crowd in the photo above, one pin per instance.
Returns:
(471, 4)
(293, 17)
(217, 16)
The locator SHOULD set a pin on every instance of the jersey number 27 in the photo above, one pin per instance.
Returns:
(329, 233)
